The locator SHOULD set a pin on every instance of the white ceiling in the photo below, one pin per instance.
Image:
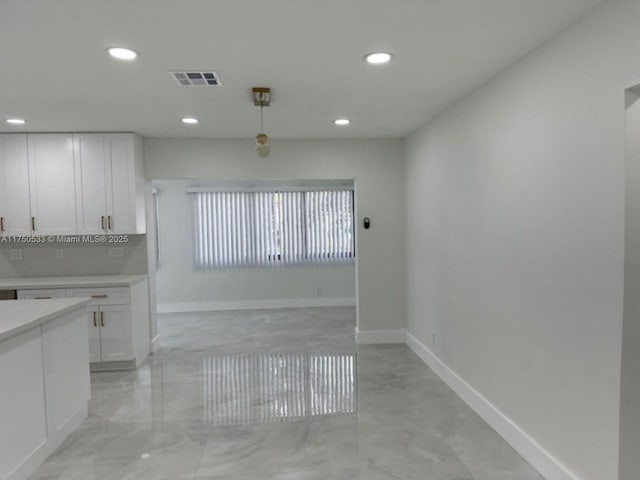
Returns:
(55, 73)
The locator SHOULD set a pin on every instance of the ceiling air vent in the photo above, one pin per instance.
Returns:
(194, 78)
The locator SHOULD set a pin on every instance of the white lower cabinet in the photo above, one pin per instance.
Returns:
(66, 377)
(115, 333)
(109, 334)
(45, 390)
(118, 322)
(41, 294)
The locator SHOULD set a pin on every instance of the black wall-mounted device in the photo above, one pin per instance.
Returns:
(367, 223)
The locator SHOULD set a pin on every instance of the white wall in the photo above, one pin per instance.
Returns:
(377, 168)
(182, 287)
(630, 369)
(515, 242)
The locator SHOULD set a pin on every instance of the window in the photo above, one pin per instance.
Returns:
(278, 227)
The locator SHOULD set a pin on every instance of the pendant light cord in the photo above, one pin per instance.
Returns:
(261, 118)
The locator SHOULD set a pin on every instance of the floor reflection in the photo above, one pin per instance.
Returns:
(278, 387)
(184, 413)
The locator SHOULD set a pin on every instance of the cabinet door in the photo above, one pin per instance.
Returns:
(52, 184)
(115, 333)
(66, 371)
(94, 334)
(121, 196)
(91, 181)
(15, 214)
(22, 404)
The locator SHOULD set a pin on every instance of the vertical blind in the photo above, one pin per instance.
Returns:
(244, 228)
(278, 387)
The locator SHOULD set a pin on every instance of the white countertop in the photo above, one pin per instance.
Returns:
(71, 281)
(17, 316)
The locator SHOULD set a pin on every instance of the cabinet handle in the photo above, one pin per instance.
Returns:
(99, 296)
(109, 222)
(102, 221)
(1, 224)
(95, 324)
(102, 319)
(41, 298)
(33, 223)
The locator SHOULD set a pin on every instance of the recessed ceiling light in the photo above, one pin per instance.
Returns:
(342, 122)
(189, 120)
(122, 53)
(16, 121)
(377, 58)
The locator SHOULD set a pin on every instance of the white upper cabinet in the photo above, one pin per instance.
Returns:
(65, 184)
(91, 183)
(125, 184)
(111, 183)
(52, 183)
(15, 213)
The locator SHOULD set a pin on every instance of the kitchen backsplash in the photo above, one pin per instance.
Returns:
(74, 255)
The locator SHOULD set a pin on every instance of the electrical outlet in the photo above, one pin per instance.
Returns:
(15, 254)
(318, 292)
(116, 251)
(433, 337)
(59, 254)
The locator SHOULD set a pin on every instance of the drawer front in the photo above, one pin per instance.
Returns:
(41, 294)
(102, 295)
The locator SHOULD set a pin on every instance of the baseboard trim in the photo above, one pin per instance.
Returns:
(545, 463)
(185, 307)
(46, 448)
(377, 337)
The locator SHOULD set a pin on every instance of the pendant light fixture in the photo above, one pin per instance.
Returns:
(262, 98)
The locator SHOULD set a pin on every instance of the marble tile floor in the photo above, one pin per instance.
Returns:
(278, 394)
